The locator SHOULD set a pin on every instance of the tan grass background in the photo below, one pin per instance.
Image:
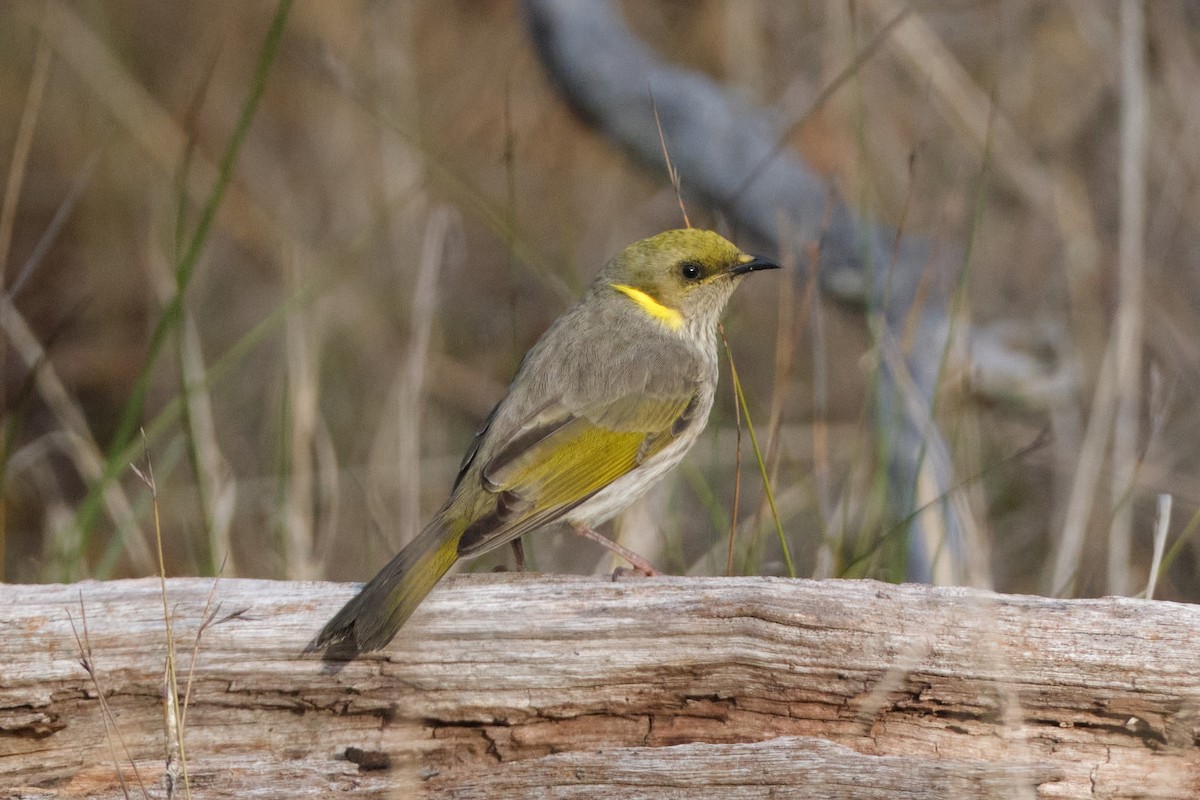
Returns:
(414, 204)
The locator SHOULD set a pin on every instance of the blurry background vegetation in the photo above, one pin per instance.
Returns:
(413, 204)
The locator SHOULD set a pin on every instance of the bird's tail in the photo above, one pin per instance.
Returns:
(372, 617)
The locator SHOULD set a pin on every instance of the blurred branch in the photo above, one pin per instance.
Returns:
(607, 74)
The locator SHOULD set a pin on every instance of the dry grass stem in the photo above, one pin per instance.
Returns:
(1089, 466)
(20, 154)
(61, 215)
(737, 454)
(1131, 268)
(303, 333)
(85, 455)
(672, 173)
(965, 104)
(111, 729)
(933, 488)
(362, 277)
(1162, 525)
(411, 388)
(215, 488)
(155, 130)
(173, 728)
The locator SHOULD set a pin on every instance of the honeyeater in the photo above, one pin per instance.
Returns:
(610, 398)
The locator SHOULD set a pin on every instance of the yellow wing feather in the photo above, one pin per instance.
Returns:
(563, 460)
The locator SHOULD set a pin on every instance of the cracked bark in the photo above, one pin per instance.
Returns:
(534, 686)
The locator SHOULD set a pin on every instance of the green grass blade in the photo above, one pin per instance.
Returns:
(168, 322)
(762, 464)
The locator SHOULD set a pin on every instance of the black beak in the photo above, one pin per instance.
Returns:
(752, 264)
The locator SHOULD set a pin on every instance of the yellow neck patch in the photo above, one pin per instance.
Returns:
(664, 314)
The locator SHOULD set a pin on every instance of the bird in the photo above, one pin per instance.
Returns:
(609, 399)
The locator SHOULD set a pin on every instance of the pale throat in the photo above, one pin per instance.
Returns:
(671, 317)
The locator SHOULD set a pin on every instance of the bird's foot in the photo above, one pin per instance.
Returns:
(633, 572)
(638, 563)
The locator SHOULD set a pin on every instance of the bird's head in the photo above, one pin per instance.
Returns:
(682, 278)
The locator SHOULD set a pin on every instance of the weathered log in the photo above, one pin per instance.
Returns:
(538, 686)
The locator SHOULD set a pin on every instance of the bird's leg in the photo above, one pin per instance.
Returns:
(638, 563)
(518, 549)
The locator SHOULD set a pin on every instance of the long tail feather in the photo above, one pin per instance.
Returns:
(372, 617)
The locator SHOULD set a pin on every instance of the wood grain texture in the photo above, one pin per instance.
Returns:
(555, 686)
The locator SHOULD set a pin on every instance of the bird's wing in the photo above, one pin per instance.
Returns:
(559, 457)
(473, 450)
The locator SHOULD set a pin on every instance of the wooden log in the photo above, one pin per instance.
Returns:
(557, 686)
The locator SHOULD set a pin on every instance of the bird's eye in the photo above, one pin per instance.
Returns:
(689, 270)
